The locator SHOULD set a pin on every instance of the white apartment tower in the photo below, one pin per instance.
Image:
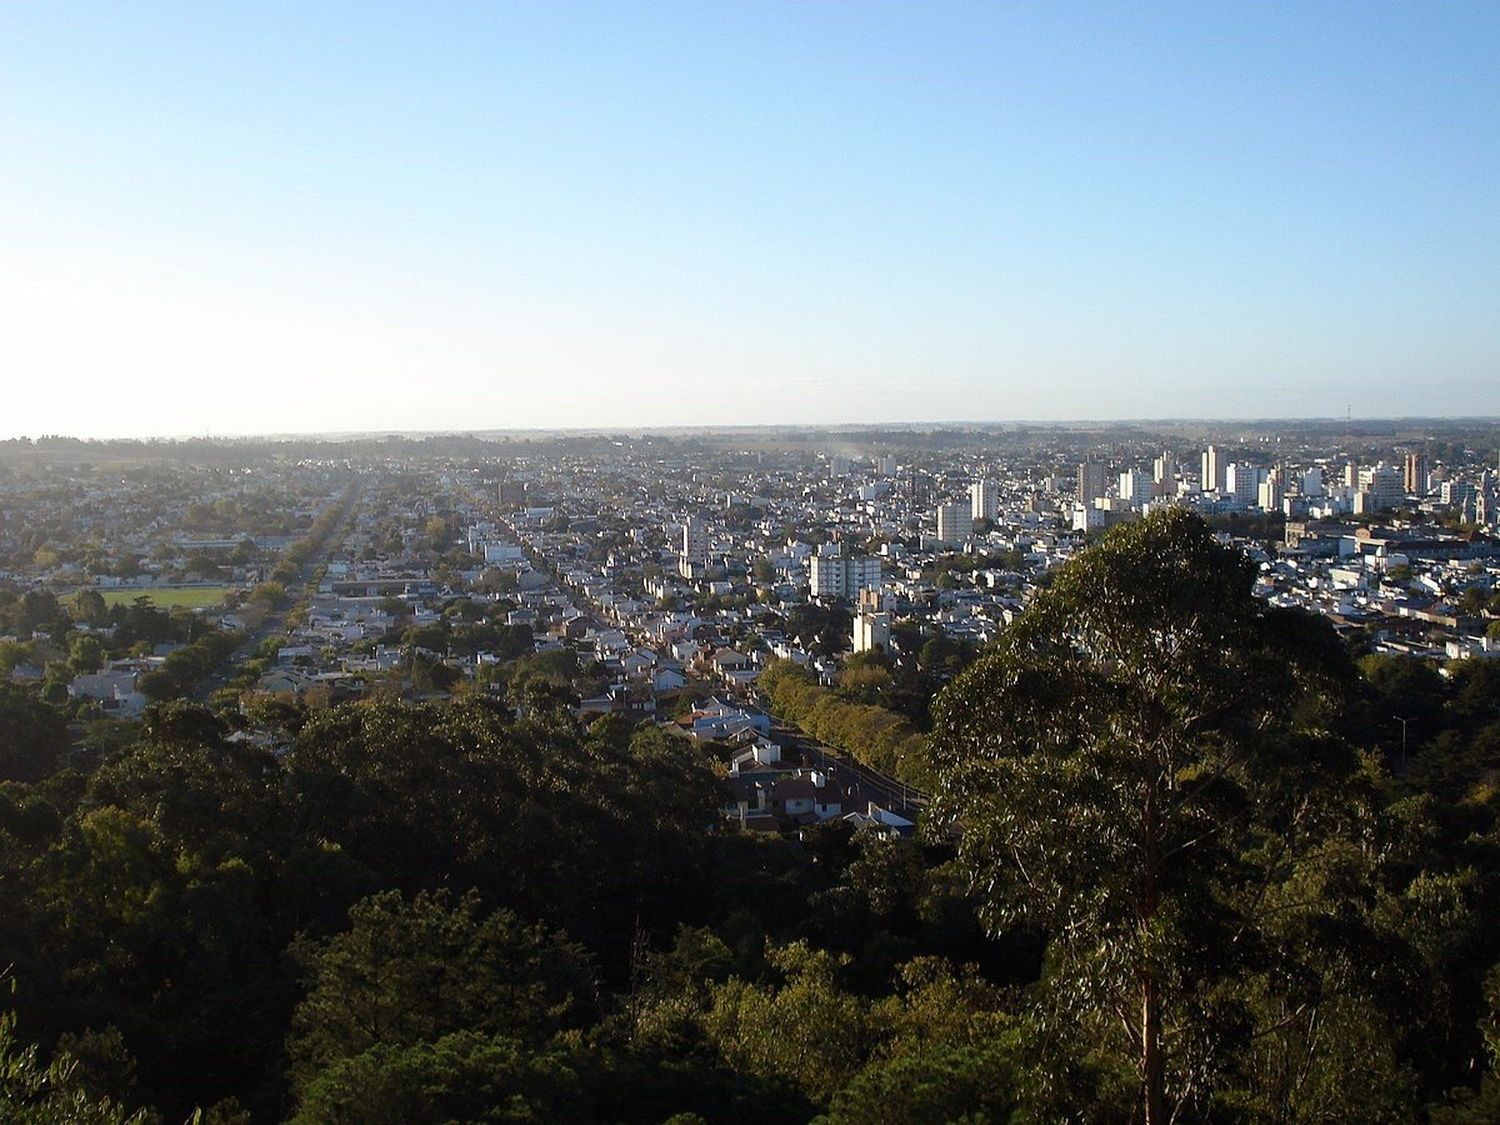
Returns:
(1214, 470)
(984, 499)
(871, 631)
(840, 576)
(1164, 468)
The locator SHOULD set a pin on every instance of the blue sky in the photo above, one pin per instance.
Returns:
(268, 218)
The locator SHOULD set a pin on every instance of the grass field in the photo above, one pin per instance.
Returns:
(191, 597)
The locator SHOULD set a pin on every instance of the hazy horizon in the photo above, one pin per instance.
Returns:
(293, 219)
(1363, 425)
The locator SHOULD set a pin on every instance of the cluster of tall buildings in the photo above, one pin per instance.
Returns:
(954, 522)
(1223, 484)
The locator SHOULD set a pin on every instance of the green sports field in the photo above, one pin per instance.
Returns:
(190, 597)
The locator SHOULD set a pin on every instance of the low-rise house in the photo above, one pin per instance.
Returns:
(111, 684)
(761, 756)
(717, 719)
(638, 665)
(879, 819)
(667, 679)
(284, 681)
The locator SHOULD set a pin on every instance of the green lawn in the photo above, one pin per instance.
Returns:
(192, 597)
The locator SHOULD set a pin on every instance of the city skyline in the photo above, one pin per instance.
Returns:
(293, 219)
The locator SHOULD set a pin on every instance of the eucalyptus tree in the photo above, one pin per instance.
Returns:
(1111, 764)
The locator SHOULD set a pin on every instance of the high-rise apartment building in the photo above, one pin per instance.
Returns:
(954, 523)
(1164, 468)
(861, 572)
(1415, 475)
(1456, 492)
(1092, 481)
(1135, 487)
(1383, 483)
(872, 631)
(984, 499)
(1244, 482)
(694, 552)
(1215, 470)
(843, 576)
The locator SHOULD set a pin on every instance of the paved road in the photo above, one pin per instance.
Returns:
(872, 784)
(274, 624)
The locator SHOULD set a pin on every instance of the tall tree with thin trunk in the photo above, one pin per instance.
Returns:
(1107, 763)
